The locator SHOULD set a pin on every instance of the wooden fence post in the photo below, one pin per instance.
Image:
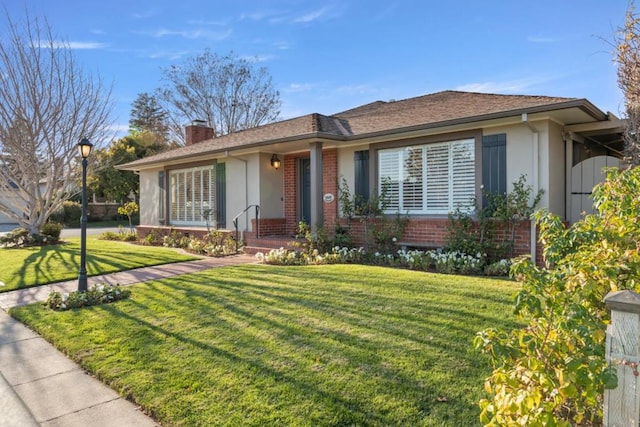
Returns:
(622, 404)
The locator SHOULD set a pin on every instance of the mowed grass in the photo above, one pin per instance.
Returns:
(306, 346)
(23, 268)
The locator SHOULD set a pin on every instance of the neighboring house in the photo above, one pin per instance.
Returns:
(438, 151)
(10, 199)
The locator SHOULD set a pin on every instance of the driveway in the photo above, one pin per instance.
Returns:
(66, 232)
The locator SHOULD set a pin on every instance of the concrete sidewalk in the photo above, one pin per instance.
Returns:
(40, 386)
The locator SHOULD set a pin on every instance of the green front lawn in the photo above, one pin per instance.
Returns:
(305, 346)
(23, 268)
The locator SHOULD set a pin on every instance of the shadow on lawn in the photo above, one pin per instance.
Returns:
(279, 330)
(43, 265)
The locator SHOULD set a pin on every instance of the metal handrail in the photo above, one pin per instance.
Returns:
(235, 221)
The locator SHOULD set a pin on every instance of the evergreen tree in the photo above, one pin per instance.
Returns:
(147, 115)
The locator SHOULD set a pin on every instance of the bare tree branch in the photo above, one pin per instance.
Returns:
(47, 104)
(628, 60)
(227, 92)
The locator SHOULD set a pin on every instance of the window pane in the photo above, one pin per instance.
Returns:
(390, 177)
(438, 178)
(413, 185)
(173, 185)
(463, 174)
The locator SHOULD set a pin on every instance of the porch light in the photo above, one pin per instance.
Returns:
(275, 161)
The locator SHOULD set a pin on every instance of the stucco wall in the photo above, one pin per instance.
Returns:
(149, 197)
(556, 188)
(236, 183)
(271, 188)
(346, 170)
(520, 160)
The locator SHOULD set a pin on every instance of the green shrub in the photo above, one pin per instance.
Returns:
(152, 238)
(100, 294)
(175, 239)
(122, 235)
(17, 238)
(553, 371)
(50, 232)
(72, 212)
(498, 268)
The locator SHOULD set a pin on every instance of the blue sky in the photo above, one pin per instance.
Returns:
(328, 56)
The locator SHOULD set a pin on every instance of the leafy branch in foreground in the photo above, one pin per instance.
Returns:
(554, 372)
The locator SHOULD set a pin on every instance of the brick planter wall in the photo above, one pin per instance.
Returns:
(433, 232)
(270, 226)
(144, 230)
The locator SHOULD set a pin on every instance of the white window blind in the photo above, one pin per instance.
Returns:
(389, 167)
(192, 195)
(429, 179)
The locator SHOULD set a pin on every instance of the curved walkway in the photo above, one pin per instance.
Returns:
(40, 386)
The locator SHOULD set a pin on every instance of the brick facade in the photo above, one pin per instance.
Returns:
(329, 185)
(270, 226)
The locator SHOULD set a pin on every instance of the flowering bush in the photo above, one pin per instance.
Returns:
(442, 262)
(215, 243)
(498, 268)
(100, 294)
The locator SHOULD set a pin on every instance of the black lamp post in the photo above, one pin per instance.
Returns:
(84, 147)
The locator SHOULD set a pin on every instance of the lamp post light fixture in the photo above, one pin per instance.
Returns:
(84, 147)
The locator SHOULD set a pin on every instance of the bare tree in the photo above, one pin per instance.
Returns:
(628, 60)
(228, 92)
(47, 104)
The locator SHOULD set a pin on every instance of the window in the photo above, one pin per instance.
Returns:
(429, 179)
(192, 195)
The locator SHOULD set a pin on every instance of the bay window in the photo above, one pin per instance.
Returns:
(428, 179)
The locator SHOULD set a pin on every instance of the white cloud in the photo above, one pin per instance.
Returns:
(298, 87)
(512, 86)
(58, 44)
(87, 45)
(311, 16)
(357, 89)
(189, 34)
(167, 54)
(538, 39)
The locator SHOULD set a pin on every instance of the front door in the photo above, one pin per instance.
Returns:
(304, 210)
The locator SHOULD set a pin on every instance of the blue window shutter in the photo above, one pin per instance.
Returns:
(221, 195)
(494, 164)
(361, 172)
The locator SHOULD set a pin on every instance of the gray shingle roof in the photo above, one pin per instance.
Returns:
(380, 116)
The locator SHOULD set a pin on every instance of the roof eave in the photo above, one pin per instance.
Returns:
(311, 137)
(582, 104)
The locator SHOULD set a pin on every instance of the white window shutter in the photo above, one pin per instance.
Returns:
(389, 174)
(463, 176)
(437, 187)
(413, 179)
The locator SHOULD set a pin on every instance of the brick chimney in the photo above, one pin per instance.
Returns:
(198, 131)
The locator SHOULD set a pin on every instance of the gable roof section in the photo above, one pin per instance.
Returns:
(433, 110)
